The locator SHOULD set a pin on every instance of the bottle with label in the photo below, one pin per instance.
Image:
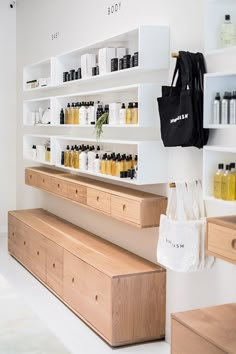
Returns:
(66, 156)
(62, 116)
(135, 113)
(113, 166)
(217, 109)
(232, 109)
(91, 158)
(71, 157)
(227, 33)
(122, 119)
(118, 167)
(67, 112)
(99, 111)
(48, 154)
(231, 184)
(225, 108)
(129, 113)
(91, 119)
(224, 183)
(96, 164)
(76, 157)
(83, 163)
(108, 165)
(218, 181)
(34, 152)
(76, 114)
(103, 165)
(83, 114)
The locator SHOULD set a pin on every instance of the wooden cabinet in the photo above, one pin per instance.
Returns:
(221, 238)
(120, 295)
(127, 205)
(209, 331)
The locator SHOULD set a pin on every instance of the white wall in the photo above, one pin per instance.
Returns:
(82, 22)
(8, 111)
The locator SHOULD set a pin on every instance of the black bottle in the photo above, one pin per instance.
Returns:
(62, 116)
(99, 111)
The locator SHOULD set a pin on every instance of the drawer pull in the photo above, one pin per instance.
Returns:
(76, 191)
(96, 297)
(58, 186)
(124, 207)
(13, 234)
(43, 180)
(30, 176)
(37, 253)
(24, 243)
(234, 244)
(54, 265)
(97, 198)
(73, 280)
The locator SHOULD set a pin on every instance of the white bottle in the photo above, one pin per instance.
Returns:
(227, 33)
(83, 162)
(91, 116)
(34, 152)
(122, 114)
(217, 109)
(83, 114)
(232, 109)
(225, 108)
(91, 157)
(96, 164)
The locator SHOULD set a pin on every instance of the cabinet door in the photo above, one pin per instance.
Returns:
(122, 208)
(12, 239)
(99, 200)
(55, 267)
(22, 251)
(88, 292)
(38, 254)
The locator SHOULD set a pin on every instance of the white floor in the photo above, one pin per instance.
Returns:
(73, 333)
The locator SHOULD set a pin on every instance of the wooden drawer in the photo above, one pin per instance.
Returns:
(56, 186)
(221, 241)
(54, 268)
(122, 208)
(88, 292)
(44, 182)
(38, 254)
(31, 178)
(12, 246)
(22, 251)
(185, 341)
(76, 192)
(99, 200)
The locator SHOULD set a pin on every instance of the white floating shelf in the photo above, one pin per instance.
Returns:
(42, 69)
(212, 156)
(151, 42)
(149, 171)
(30, 140)
(144, 94)
(217, 82)
(215, 12)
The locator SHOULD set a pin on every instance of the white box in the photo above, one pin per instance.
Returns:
(88, 62)
(120, 52)
(104, 59)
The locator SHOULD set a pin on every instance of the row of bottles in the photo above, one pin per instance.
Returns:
(87, 113)
(225, 182)
(224, 109)
(94, 160)
(41, 152)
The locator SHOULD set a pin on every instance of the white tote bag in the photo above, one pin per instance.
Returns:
(181, 244)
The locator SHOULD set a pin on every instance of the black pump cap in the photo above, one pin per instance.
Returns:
(123, 106)
(232, 165)
(227, 17)
(68, 105)
(227, 167)
(97, 156)
(67, 148)
(221, 166)
(217, 96)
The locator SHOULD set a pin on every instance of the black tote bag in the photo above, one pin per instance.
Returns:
(181, 106)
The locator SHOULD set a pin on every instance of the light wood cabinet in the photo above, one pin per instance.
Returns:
(120, 295)
(221, 238)
(210, 331)
(136, 208)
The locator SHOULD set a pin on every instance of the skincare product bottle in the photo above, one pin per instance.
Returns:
(227, 33)
(99, 111)
(83, 114)
(103, 165)
(83, 159)
(231, 185)
(71, 115)
(96, 164)
(108, 165)
(118, 167)
(91, 118)
(66, 156)
(34, 152)
(62, 116)
(218, 181)
(217, 109)
(225, 108)
(113, 166)
(122, 120)
(71, 157)
(76, 157)
(76, 114)
(91, 158)
(129, 114)
(67, 112)
(135, 113)
(224, 183)
(232, 115)
(62, 158)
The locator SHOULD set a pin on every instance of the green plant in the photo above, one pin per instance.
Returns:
(99, 124)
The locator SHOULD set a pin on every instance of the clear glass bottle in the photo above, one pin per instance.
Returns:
(66, 156)
(218, 181)
(71, 157)
(227, 33)
(129, 113)
(76, 157)
(135, 113)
